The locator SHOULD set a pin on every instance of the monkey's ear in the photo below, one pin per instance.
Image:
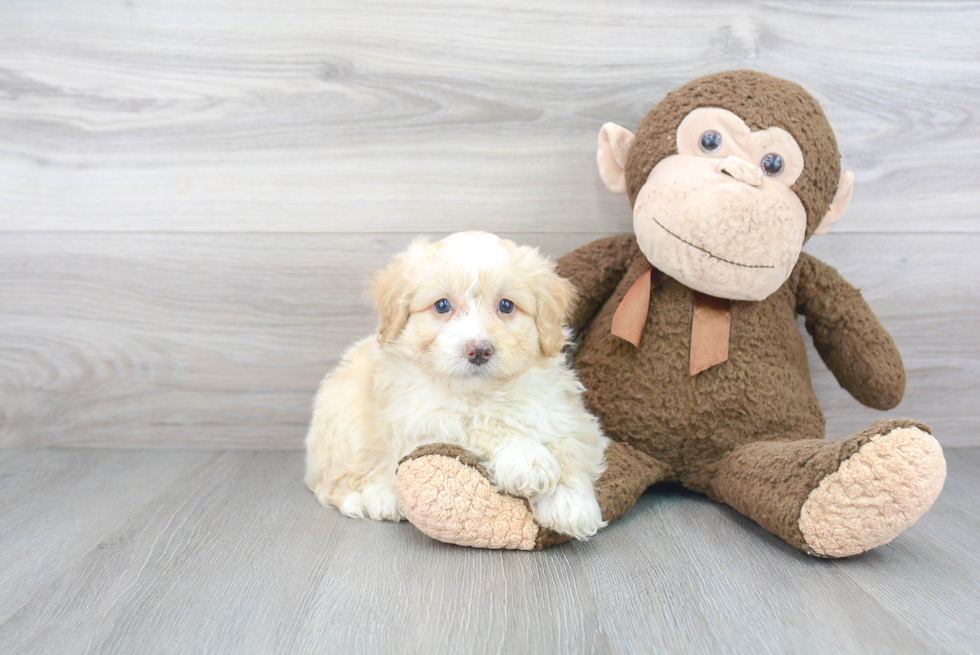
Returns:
(614, 147)
(841, 199)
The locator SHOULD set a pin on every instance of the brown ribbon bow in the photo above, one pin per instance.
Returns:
(710, 329)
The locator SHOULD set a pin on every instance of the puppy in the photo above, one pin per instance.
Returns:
(469, 352)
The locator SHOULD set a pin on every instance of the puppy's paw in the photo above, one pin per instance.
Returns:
(375, 501)
(570, 511)
(525, 469)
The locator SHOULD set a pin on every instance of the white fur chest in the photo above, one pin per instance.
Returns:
(420, 410)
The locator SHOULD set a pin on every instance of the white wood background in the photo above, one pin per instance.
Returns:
(193, 193)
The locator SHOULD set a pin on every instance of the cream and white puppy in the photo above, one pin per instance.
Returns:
(468, 352)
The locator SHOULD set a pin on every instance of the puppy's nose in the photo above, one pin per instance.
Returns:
(478, 352)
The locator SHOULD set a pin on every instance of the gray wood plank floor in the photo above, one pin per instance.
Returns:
(140, 551)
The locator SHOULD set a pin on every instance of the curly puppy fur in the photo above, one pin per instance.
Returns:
(468, 352)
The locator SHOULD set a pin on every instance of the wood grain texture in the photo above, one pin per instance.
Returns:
(57, 506)
(230, 115)
(192, 193)
(221, 340)
(235, 555)
(163, 339)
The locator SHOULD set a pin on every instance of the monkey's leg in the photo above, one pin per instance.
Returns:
(445, 493)
(833, 498)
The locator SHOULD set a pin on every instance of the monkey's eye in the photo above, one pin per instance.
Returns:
(772, 164)
(710, 141)
(443, 306)
(505, 306)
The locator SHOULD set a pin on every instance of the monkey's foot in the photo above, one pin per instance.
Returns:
(445, 493)
(876, 493)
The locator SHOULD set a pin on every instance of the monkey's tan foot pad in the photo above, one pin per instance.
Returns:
(445, 493)
(876, 493)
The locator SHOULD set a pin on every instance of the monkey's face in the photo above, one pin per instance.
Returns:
(720, 216)
(724, 209)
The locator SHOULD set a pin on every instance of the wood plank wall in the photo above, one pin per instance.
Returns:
(193, 193)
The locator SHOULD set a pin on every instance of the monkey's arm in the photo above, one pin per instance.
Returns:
(848, 335)
(595, 269)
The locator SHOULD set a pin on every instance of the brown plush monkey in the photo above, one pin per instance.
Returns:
(689, 349)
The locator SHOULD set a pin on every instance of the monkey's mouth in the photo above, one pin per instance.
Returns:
(707, 252)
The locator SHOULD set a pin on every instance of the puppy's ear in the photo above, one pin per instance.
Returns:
(555, 297)
(392, 293)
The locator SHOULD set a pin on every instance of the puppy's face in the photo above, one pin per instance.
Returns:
(472, 308)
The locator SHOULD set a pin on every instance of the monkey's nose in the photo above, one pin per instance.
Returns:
(741, 170)
(478, 352)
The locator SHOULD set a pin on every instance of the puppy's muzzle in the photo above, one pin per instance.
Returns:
(478, 352)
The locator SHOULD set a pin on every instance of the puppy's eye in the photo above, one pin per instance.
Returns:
(443, 306)
(505, 306)
(710, 141)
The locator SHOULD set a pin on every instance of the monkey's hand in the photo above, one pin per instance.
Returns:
(848, 335)
(595, 269)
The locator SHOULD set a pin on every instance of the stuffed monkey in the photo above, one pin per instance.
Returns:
(689, 349)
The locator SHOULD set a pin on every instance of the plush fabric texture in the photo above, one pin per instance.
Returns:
(749, 431)
(740, 232)
(762, 101)
(875, 494)
(614, 144)
(646, 396)
(770, 481)
(736, 419)
(739, 430)
(628, 474)
(447, 494)
(848, 336)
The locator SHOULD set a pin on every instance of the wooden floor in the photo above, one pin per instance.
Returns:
(139, 551)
